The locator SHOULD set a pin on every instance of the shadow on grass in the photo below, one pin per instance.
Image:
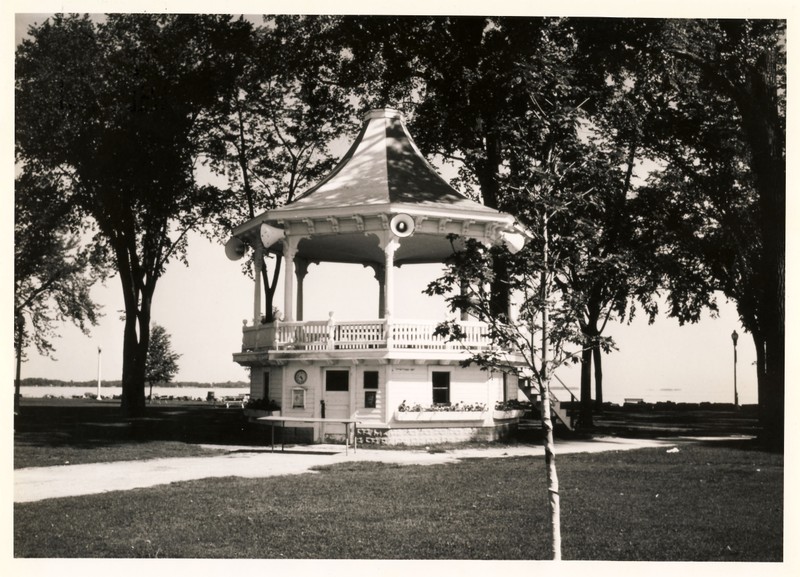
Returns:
(650, 421)
(75, 425)
(86, 425)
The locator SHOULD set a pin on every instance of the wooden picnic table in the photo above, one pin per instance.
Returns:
(283, 420)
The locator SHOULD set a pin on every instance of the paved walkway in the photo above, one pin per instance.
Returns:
(37, 483)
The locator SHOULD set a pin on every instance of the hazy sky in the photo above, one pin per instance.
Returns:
(202, 308)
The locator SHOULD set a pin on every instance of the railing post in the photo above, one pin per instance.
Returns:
(331, 331)
(277, 325)
(387, 324)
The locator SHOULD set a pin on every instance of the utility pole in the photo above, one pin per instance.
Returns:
(735, 339)
(99, 352)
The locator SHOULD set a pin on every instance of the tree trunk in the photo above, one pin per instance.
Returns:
(585, 418)
(590, 332)
(770, 403)
(760, 361)
(242, 159)
(269, 287)
(772, 394)
(597, 355)
(17, 378)
(134, 346)
(761, 365)
(773, 208)
(758, 103)
(767, 410)
(554, 502)
(488, 176)
(134, 358)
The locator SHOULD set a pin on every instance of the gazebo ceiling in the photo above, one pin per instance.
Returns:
(383, 175)
(365, 249)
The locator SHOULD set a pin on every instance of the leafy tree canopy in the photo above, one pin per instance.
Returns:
(53, 271)
(162, 361)
(271, 137)
(110, 109)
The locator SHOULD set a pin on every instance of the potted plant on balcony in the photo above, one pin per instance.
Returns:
(256, 408)
(441, 412)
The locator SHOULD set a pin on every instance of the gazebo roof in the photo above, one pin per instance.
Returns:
(382, 175)
(383, 167)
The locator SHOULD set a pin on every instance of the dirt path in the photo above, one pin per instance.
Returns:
(37, 483)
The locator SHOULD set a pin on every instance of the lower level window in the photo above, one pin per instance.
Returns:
(441, 387)
(336, 380)
(370, 379)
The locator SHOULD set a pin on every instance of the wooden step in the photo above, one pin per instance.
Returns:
(562, 414)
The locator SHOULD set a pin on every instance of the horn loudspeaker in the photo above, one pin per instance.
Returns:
(402, 225)
(271, 234)
(234, 248)
(514, 241)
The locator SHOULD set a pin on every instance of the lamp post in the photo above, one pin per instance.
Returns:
(99, 351)
(735, 338)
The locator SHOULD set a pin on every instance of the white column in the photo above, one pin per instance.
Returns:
(390, 246)
(512, 309)
(258, 262)
(289, 252)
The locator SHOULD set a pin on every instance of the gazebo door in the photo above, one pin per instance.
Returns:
(337, 399)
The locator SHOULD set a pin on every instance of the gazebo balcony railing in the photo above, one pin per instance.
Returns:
(359, 335)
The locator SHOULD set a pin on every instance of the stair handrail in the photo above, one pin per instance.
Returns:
(572, 396)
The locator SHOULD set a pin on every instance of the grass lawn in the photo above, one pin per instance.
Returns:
(714, 502)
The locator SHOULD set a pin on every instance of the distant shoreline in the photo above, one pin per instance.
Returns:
(37, 382)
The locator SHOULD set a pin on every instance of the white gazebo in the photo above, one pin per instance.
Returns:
(383, 206)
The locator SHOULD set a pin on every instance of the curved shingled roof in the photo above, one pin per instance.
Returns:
(383, 166)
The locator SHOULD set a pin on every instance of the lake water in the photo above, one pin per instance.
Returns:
(191, 392)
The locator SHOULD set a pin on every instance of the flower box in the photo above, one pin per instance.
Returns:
(257, 413)
(429, 416)
(506, 415)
